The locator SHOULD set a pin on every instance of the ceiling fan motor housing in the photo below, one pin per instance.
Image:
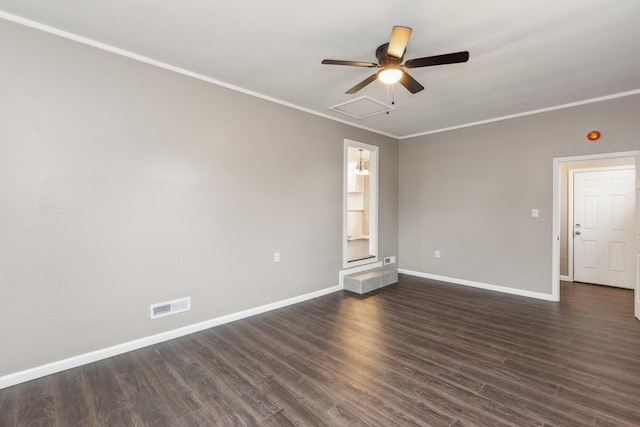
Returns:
(384, 59)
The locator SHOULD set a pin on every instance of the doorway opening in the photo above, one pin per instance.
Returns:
(360, 204)
(563, 225)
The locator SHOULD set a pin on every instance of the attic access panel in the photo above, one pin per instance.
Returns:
(362, 107)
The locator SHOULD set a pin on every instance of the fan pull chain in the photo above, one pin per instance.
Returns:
(391, 94)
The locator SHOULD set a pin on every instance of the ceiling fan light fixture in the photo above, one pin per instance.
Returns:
(390, 75)
(390, 56)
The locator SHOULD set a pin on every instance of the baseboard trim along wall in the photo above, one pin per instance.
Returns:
(94, 356)
(503, 289)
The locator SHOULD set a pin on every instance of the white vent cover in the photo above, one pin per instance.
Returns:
(362, 107)
(170, 307)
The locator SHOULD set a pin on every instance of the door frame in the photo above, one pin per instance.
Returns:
(557, 203)
(373, 203)
(570, 220)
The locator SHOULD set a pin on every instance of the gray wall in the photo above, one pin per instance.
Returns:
(123, 184)
(469, 192)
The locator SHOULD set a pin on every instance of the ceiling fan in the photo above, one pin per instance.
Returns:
(390, 56)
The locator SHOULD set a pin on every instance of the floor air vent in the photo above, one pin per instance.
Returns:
(170, 307)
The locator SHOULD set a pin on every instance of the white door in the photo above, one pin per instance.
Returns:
(604, 227)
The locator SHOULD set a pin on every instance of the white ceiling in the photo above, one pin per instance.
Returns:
(525, 55)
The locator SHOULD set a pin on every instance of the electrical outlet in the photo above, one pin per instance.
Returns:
(276, 257)
(390, 260)
(437, 254)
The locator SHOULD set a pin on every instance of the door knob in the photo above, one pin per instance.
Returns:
(577, 233)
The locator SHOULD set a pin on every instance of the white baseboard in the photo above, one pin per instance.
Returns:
(83, 359)
(497, 288)
(565, 278)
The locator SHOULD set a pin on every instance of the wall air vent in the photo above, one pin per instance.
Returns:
(362, 107)
(170, 307)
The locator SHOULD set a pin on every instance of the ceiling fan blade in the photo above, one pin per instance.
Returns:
(351, 63)
(398, 41)
(449, 58)
(362, 84)
(410, 83)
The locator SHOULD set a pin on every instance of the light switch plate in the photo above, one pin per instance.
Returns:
(535, 213)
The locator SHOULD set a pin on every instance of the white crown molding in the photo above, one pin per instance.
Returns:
(169, 67)
(527, 113)
(150, 61)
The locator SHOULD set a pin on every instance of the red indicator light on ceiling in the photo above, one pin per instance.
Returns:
(594, 135)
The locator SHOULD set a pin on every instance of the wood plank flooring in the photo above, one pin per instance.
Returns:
(415, 353)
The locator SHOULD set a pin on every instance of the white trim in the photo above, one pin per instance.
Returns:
(555, 231)
(557, 202)
(82, 359)
(473, 284)
(366, 267)
(373, 202)
(527, 113)
(150, 61)
(565, 278)
(84, 40)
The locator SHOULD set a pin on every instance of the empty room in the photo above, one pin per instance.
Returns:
(344, 213)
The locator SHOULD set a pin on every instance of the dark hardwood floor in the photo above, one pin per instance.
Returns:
(416, 353)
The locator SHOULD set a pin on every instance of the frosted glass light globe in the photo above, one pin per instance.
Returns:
(390, 75)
